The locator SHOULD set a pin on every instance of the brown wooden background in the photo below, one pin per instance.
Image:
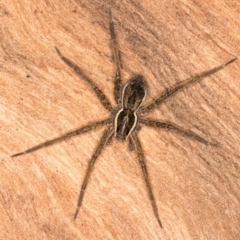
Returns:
(197, 188)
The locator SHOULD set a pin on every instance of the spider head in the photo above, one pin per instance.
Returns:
(125, 123)
(133, 95)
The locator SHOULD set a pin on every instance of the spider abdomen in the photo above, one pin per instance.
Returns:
(134, 93)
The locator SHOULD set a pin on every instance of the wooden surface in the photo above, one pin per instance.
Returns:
(197, 188)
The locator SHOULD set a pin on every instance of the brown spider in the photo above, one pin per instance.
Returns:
(124, 121)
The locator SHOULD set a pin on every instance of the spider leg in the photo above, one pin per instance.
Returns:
(104, 140)
(131, 146)
(101, 96)
(116, 55)
(79, 131)
(141, 159)
(170, 126)
(171, 91)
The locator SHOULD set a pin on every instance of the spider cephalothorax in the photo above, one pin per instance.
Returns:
(130, 98)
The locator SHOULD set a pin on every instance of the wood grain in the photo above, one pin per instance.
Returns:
(197, 188)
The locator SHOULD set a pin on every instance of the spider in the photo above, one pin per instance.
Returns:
(126, 119)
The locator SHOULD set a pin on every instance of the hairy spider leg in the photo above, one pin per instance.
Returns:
(103, 142)
(79, 131)
(173, 127)
(101, 96)
(131, 146)
(171, 91)
(142, 163)
(116, 55)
